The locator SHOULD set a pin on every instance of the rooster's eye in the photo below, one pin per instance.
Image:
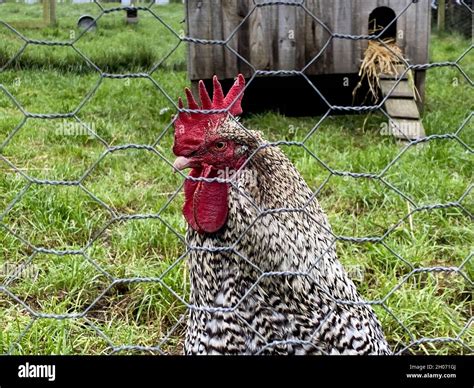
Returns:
(220, 145)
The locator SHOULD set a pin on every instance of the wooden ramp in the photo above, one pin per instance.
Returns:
(405, 123)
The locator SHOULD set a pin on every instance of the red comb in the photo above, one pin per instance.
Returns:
(231, 103)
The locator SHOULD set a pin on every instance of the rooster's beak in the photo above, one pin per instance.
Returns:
(181, 163)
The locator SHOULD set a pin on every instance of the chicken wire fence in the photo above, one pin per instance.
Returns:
(114, 282)
(456, 19)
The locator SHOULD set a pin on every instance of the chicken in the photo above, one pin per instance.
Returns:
(265, 278)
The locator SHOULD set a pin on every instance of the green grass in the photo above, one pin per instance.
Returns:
(127, 182)
(114, 47)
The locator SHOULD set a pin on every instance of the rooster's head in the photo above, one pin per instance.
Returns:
(202, 143)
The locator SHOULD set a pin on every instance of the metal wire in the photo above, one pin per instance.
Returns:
(114, 281)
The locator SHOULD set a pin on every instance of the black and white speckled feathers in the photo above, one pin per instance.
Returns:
(281, 290)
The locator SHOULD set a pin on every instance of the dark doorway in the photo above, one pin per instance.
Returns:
(379, 19)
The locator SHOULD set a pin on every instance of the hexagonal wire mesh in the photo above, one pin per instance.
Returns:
(112, 281)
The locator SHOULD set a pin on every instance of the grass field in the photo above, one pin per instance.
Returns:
(127, 182)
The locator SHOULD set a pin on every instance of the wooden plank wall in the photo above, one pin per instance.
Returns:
(287, 38)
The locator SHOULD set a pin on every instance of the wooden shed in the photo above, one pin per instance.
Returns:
(312, 37)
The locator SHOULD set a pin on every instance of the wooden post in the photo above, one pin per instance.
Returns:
(49, 12)
(46, 12)
(52, 14)
(441, 15)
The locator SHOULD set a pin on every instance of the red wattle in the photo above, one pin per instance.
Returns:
(189, 189)
(206, 203)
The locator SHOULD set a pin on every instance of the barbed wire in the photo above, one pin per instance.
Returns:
(114, 217)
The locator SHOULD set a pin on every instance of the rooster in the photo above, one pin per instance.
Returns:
(265, 278)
